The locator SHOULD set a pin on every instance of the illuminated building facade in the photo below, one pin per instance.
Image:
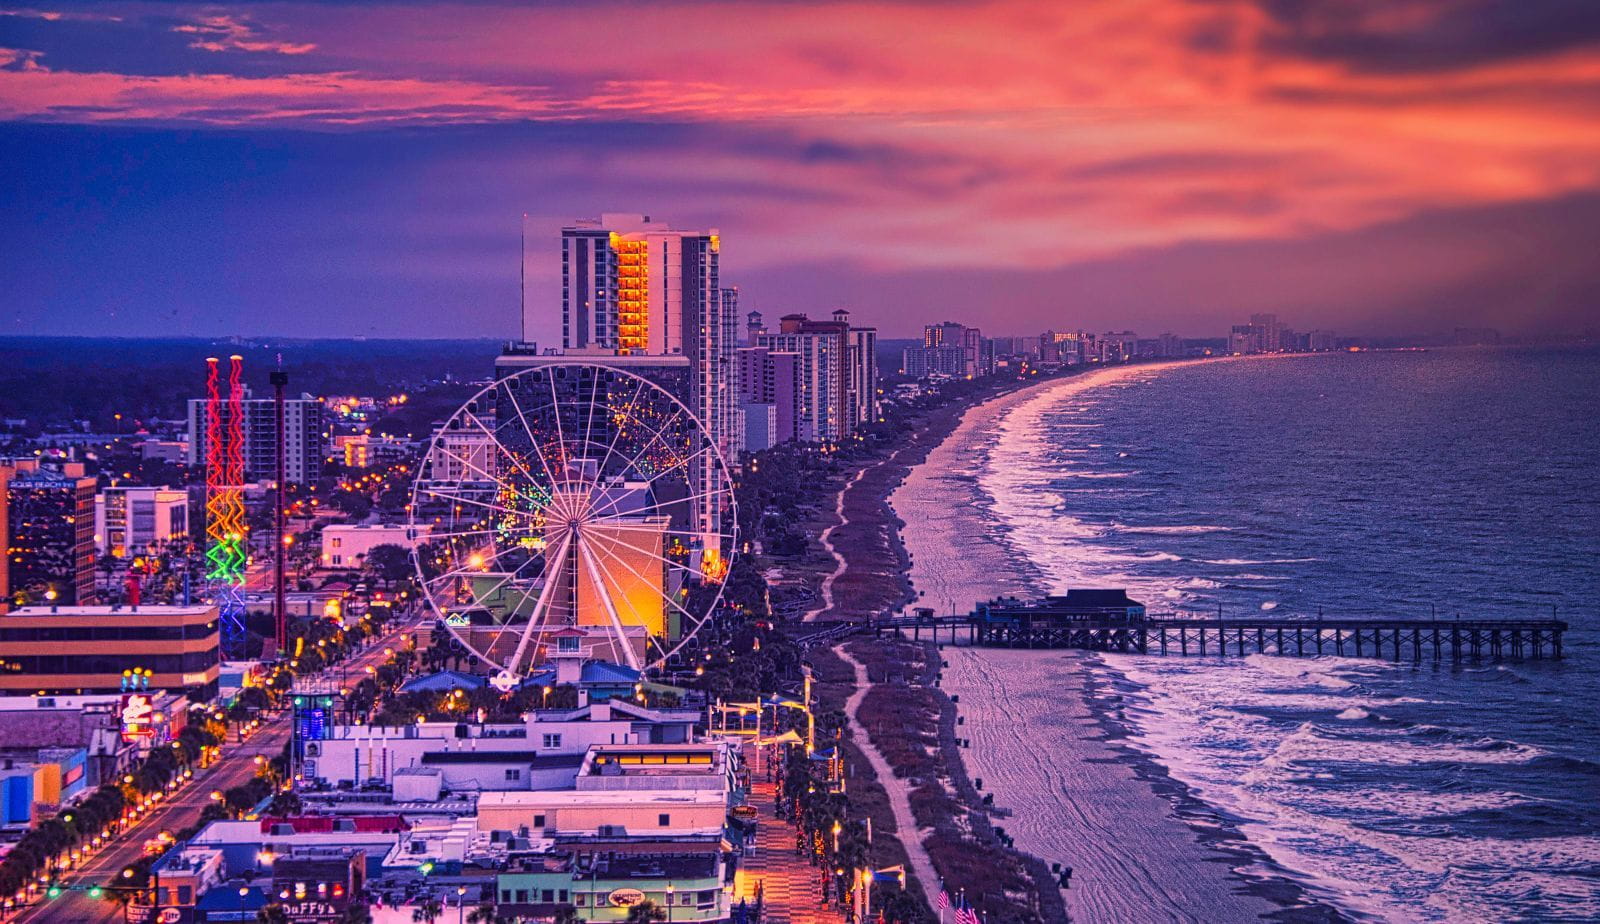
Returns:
(635, 287)
(96, 649)
(50, 533)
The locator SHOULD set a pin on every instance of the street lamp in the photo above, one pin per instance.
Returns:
(669, 903)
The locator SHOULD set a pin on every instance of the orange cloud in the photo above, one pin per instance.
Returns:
(1010, 132)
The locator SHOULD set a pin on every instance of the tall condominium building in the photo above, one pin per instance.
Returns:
(136, 519)
(1118, 346)
(921, 362)
(50, 532)
(864, 375)
(305, 437)
(769, 396)
(968, 339)
(1270, 332)
(634, 287)
(833, 366)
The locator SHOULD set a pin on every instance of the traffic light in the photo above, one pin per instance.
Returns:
(53, 892)
(96, 891)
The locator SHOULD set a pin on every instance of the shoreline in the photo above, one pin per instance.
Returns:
(1202, 854)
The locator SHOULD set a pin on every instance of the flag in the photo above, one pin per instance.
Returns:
(967, 915)
(944, 900)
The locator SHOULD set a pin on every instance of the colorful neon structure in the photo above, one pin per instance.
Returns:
(226, 551)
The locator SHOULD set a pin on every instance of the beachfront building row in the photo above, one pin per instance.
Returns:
(1264, 334)
(808, 380)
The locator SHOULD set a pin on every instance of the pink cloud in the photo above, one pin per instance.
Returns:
(225, 33)
(1016, 133)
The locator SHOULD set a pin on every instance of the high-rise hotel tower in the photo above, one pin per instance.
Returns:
(635, 287)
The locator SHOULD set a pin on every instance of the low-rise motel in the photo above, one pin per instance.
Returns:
(109, 649)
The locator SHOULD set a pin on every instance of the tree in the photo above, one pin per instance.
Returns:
(358, 912)
(645, 912)
(567, 914)
(427, 912)
(483, 914)
(272, 914)
(389, 562)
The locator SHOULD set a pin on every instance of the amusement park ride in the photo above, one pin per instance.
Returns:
(573, 507)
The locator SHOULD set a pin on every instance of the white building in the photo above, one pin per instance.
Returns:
(305, 437)
(631, 286)
(135, 519)
(347, 545)
(545, 752)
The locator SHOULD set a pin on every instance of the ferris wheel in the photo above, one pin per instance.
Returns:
(573, 509)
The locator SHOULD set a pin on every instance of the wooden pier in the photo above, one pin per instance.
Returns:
(1416, 640)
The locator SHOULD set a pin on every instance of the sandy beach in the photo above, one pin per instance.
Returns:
(1038, 744)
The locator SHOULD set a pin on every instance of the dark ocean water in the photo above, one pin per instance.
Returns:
(1417, 484)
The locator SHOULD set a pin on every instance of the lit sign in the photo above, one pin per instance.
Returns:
(138, 717)
(625, 898)
(458, 621)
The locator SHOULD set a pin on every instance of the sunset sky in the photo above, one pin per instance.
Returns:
(329, 168)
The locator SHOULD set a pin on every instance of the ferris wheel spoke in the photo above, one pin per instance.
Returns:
(483, 566)
(457, 498)
(605, 601)
(659, 508)
(664, 560)
(541, 606)
(499, 446)
(660, 593)
(681, 465)
(469, 464)
(556, 501)
(616, 429)
(551, 562)
(561, 438)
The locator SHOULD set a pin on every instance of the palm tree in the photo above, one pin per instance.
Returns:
(645, 912)
(483, 914)
(427, 912)
(272, 914)
(567, 914)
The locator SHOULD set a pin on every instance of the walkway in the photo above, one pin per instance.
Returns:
(791, 885)
(909, 835)
(827, 543)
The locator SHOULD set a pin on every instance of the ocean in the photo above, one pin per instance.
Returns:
(1410, 484)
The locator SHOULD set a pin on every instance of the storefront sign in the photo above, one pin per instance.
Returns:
(138, 717)
(625, 898)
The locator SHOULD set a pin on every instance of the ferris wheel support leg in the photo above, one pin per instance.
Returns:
(542, 605)
(605, 600)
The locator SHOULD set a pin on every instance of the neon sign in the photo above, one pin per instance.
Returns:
(138, 717)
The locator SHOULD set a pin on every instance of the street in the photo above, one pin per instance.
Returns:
(182, 808)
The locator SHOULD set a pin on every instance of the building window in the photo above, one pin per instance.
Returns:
(538, 821)
(552, 741)
(663, 819)
(522, 896)
(513, 774)
(548, 896)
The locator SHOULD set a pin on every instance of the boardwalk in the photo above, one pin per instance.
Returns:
(791, 885)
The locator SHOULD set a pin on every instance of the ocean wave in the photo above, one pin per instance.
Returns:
(1171, 530)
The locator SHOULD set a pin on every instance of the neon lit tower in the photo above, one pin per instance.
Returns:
(226, 552)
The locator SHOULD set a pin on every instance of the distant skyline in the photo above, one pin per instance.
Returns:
(361, 169)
